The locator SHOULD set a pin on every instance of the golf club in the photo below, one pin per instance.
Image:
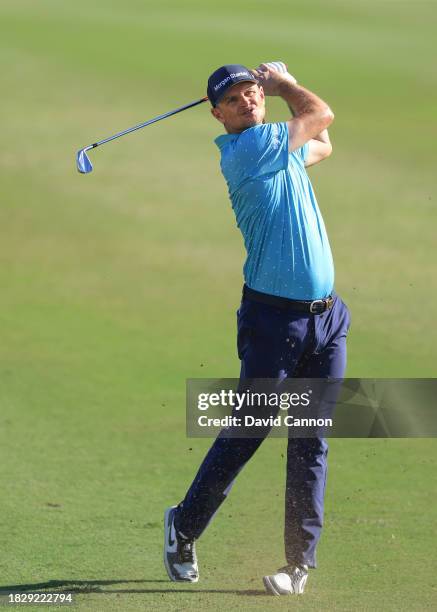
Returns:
(84, 164)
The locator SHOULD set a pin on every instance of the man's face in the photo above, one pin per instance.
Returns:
(242, 107)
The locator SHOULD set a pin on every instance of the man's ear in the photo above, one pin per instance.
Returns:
(261, 92)
(215, 112)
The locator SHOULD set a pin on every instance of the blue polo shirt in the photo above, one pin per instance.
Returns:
(288, 252)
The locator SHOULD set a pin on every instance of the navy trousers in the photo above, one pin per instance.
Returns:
(276, 343)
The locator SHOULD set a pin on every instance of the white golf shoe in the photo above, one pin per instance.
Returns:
(288, 580)
(180, 558)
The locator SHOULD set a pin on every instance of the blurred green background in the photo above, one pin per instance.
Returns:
(119, 285)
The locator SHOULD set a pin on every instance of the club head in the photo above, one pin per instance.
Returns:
(84, 164)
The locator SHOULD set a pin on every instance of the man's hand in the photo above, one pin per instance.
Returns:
(271, 76)
(311, 115)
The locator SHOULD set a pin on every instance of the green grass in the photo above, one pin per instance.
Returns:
(116, 287)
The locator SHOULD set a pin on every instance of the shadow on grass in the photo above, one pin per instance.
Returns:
(97, 586)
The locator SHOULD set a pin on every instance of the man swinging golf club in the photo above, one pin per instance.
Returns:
(290, 323)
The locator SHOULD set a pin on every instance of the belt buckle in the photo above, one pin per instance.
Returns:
(316, 304)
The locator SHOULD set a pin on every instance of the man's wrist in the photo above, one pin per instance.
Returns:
(287, 85)
(292, 78)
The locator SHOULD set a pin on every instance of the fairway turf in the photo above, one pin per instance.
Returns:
(117, 286)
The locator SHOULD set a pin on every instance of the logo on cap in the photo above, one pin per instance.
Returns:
(226, 76)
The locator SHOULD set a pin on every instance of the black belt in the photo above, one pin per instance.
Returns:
(314, 307)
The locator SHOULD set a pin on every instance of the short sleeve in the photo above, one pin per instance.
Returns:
(262, 149)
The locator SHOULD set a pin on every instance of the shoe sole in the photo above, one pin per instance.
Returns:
(172, 577)
(271, 589)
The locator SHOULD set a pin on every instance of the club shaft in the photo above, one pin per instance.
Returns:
(149, 122)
